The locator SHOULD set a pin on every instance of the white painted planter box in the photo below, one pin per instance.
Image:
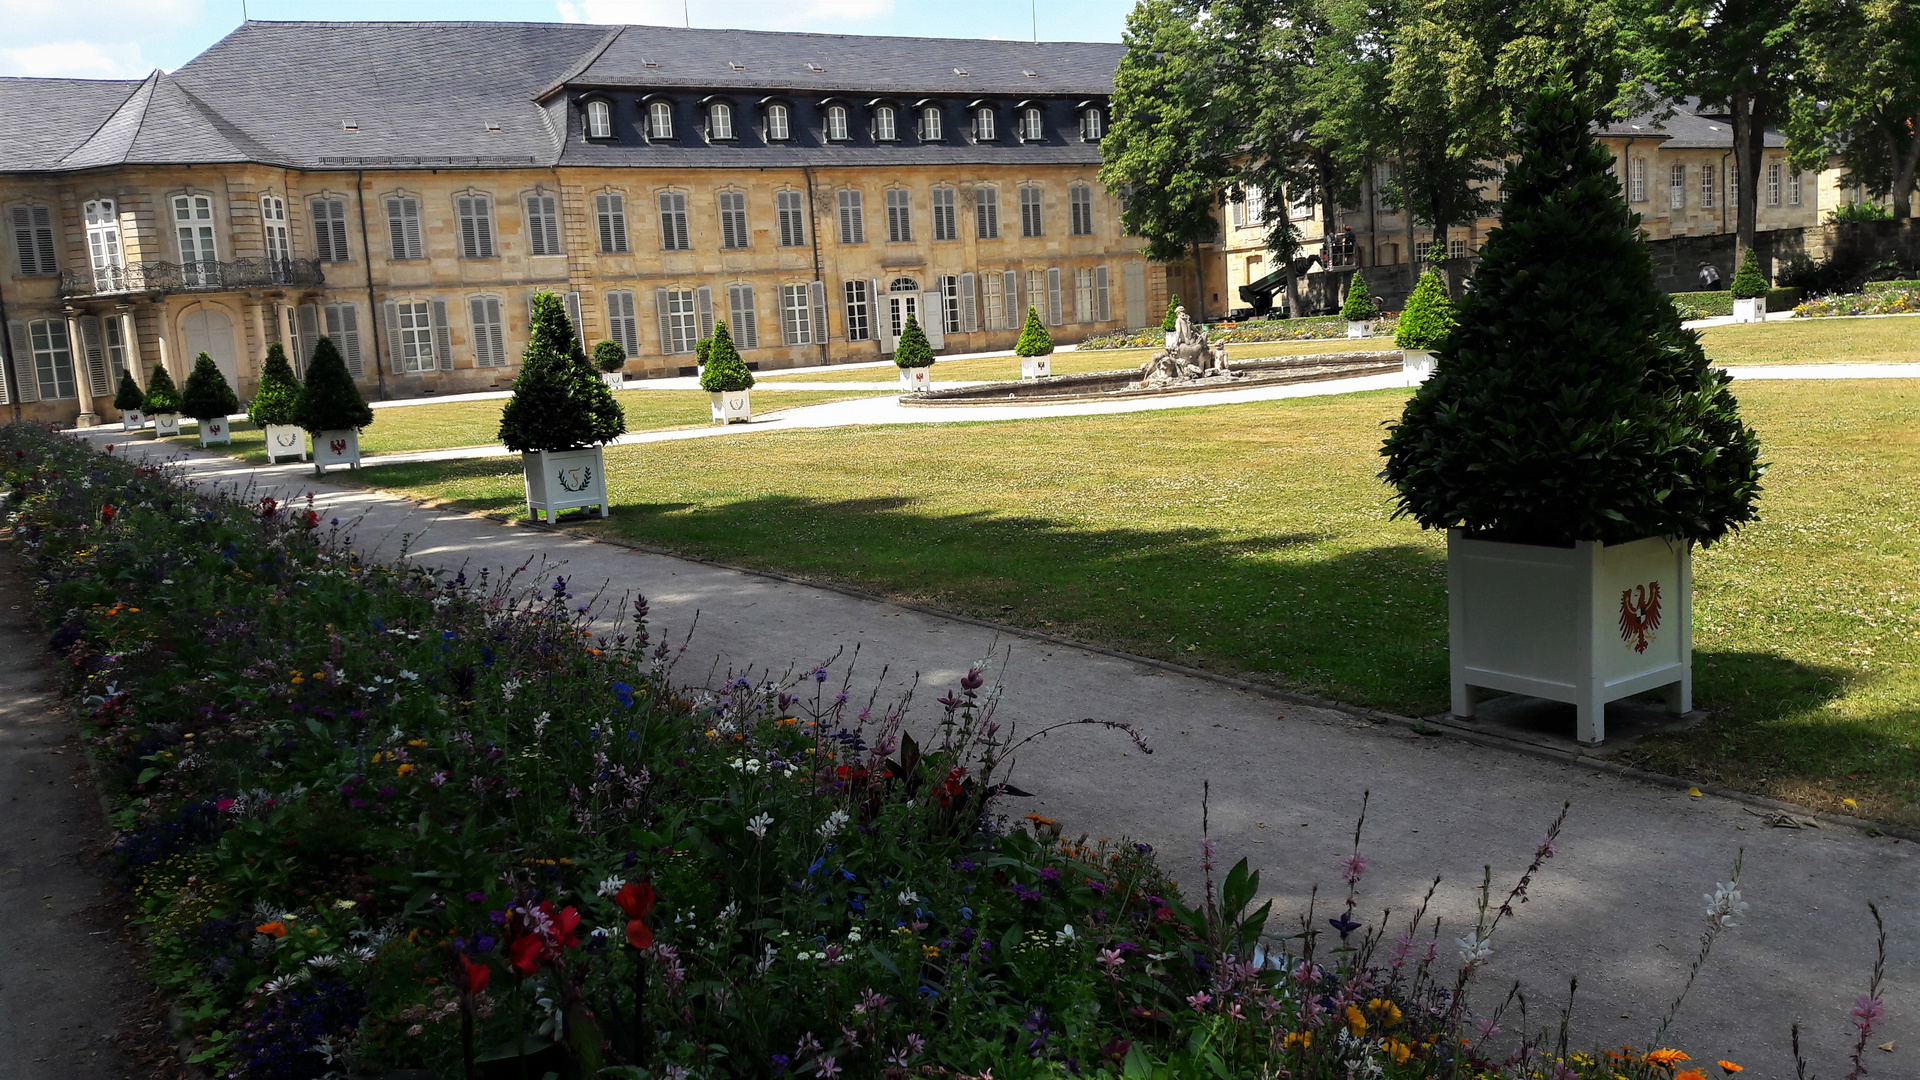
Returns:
(565, 480)
(215, 431)
(336, 448)
(916, 380)
(614, 379)
(1036, 367)
(286, 441)
(1587, 624)
(1173, 338)
(132, 420)
(1754, 310)
(1360, 328)
(733, 406)
(1416, 364)
(166, 423)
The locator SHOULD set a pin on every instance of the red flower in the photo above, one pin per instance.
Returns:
(523, 953)
(565, 921)
(635, 898)
(469, 977)
(106, 513)
(639, 934)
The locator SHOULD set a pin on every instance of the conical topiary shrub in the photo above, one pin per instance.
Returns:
(609, 357)
(559, 401)
(1034, 339)
(1749, 283)
(1172, 319)
(1568, 403)
(330, 401)
(278, 393)
(207, 395)
(913, 350)
(1360, 305)
(162, 396)
(128, 397)
(1428, 315)
(726, 373)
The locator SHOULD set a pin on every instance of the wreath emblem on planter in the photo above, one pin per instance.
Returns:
(289, 440)
(1639, 614)
(338, 446)
(584, 474)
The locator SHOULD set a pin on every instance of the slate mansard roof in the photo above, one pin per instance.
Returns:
(321, 95)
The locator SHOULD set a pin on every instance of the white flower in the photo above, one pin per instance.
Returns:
(757, 825)
(732, 909)
(834, 823)
(344, 905)
(612, 885)
(325, 1048)
(1724, 904)
(1064, 935)
(853, 936)
(766, 962)
(1474, 948)
(508, 689)
(405, 674)
(324, 963)
(286, 982)
(166, 581)
(908, 897)
(364, 954)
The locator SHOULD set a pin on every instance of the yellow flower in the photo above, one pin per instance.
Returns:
(319, 675)
(416, 742)
(931, 951)
(1301, 1039)
(1730, 1067)
(712, 734)
(1397, 1050)
(404, 769)
(1356, 1022)
(1667, 1059)
(1385, 1011)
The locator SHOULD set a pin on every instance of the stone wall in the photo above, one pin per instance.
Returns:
(1853, 247)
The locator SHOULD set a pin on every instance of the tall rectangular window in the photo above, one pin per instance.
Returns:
(1055, 314)
(273, 222)
(1677, 188)
(1080, 198)
(791, 209)
(945, 224)
(1036, 297)
(673, 222)
(1102, 299)
(859, 311)
(329, 229)
(996, 303)
(1637, 180)
(983, 125)
(343, 326)
(476, 226)
(1773, 184)
(745, 318)
(733, 219)
(403, 227)
(853, 226)
(1030, 211)
(680, 320)
(930, 124)
(489, 331)
(796, 315)
(899, 216)
(1708, 189)
(413, 334)
(610, 218)
(1083, 295)
(103, 247)
(950, 303)
(623, 323)
(1793, 189)
(986, 212)
(52, 358)
(1733, 183)
(543, 225)
(33, 239)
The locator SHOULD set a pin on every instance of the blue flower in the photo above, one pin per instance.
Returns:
(1344, 925)
(855, 903)
(624, 693)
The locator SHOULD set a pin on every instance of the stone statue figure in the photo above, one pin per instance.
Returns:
(1190, 358)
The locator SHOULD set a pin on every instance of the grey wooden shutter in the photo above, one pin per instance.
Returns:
(817, 291)
(1134, 277)
(34, 240)
(603, 212)
(1102, 304)
(442, 337)
(477, 319)
(933, 316)
(573, 315)
(746, 329)
(1016, 311)
(883, 319)
(483, 224)
(343, 326)
(1054, 316)
(969, 305)
(666, 330)
(93, 344)
(703, 303)
(391, 313)
(307, 318)
(23, 365)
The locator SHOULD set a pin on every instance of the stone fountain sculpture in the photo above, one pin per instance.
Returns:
(1189, 359)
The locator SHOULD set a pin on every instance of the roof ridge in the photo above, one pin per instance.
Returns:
(586, 61)
(656, 26)
(147, 86)
(241, 139)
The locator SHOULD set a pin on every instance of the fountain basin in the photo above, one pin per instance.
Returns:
(1114, 385)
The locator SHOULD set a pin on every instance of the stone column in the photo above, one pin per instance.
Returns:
(82, 378)
(257, 308)
(130, 340)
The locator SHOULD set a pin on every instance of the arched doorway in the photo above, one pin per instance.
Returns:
(903, 301)
(208, 329)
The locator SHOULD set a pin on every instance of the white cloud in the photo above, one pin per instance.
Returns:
(75, 60)
(94, 39)
(735, 14)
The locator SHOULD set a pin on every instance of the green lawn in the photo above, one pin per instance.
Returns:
(1254, 540)
(452, 424)
(995, 368)
(1892, 340)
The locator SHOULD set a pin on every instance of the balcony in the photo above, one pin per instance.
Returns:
(167, 277)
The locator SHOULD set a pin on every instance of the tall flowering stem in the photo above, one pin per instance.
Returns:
(1723, 904)
(1868, 1011)
(1475, 948)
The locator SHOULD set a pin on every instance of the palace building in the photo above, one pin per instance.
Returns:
(406, 188)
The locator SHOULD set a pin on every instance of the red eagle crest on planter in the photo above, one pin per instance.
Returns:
(1639, 614)
(338, 446)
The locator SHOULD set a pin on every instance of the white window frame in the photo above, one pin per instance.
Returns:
(1457, 247)
(273, 227)
(837, 123)
(414, 331)
(859, 309)
(195, 232)
(1637, 180)
(779, 123)
(720, 121)
(543, 224)
(791, 209)
(683, 320)
(733, 220)
(599, 120)
(1773, 183)
(52, 359)
(103, 246)
(1092, 125)
(1708, 187)
(659, 120)
(1032, 214)
(1080, 200)
(949, 303)
(995, 300)
(930, 124)
(796, 314)
(986, 212)
(1677, 187)
(673, 221)
(853, 225)
(946, 223)
(983, 124)
(405, 239)
(329, 215)
(1032, 125)
(885, 129)
(35, 244)
(486, 317)
(1794, 188)
(473, 218)
(1083, 294)
(899, 216)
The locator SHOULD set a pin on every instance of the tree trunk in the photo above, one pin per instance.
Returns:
(1406, 216)
(1199, 286)
(1905, 159)
(1749, 140)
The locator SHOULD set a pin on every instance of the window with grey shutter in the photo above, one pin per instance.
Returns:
(306, 318)
(949, 304)
(610, 214)
(969, 307)
(1030, 211)
(742, 319)
(329, 229)
(489, 331)
(476, 225)
(944, 225)
(1102, 302)
(899, 216)
(796, 315)
(33, 240)
(52, 359)
(703, 302)
(733, 219)
(623, 326)
(853, 227)
(26, 387)
(1054, 316)
(403, 227)
(572, 301)
(410, 335)
(859, 310)
(442, 337)
(543, 225)
(790, 206)
(1080, 200)
(679, 319)
(818, 291)
(986, 212)
(94, 348)
(1016, 315)
(673, 221)
(343, 326)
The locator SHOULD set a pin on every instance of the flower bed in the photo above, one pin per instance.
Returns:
(1311, 328)
(1875, 301)
(374, 818)
(1707, 305)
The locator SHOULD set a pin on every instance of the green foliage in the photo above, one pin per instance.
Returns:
(609, 356)
(1851, 213)
(207, 395)
(1428, 316)
(1856, 92)
(162, 395)
(330, 401)
(1172, 319)
(1749, 283)
(278, 392)
(701, 350)
(726, 372)
(912, 350)
(1034, 339)
(559, 401)
(1568, 403)
(128, 397)
(1360, 305)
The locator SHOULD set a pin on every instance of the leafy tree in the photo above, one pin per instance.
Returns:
(726, 372)
(128, 397)
(1360, 305)
(207, 395)
(330, 401)
(278, 392)
(559, 401)
(1857, 94)
(1569, 403)
(913, 350)
(1034, 339)
(609, 357)
(1428, 316)
(1749, 283)
(702, 349)
(162, 395)
(1172, 320)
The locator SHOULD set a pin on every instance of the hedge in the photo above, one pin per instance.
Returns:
(1707, 305)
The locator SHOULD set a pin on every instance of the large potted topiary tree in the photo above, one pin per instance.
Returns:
(1035, 348)
(331, 409)
(1574, 444)
(914, 355)
(611, 359)
(271, 409)
(163, 402)
(727, 379)
(209, 400)
(132, 403)
(1171, 320)
(1360, 309)
(1423, 325)
(1750, 291)
(560, 418)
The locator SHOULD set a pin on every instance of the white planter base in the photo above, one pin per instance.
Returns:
(732, 407)
(132, 420)
(916, 380)
(335, 448)
(614, 379)
(285, 441)
(216, 431)
(165, 424)
(565, 480)
(1586, 625)
(1359, 329)
(1416, 365)
(1750, 311)
(1036, 367)
(1173, 338)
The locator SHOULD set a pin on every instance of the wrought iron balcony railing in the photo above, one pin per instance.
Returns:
(167, 277)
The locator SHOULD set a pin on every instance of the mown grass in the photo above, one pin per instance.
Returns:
(450, 424)
(997, 368)
(1255, 540)
(1891, 340)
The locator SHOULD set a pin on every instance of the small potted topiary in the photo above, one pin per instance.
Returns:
(271, 409)
(611, 359)
(1035, 348)
(1425, 322)
(331, 409)
(1574, 443)
(209, 400)
(163, 402)
(1171, 321)
(701, 349)
(132, 403)
(560, 418)
(1750, 291)
(915, 357)
(1360, 309)
(727, 379)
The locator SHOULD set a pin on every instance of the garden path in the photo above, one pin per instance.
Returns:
(1619, 906)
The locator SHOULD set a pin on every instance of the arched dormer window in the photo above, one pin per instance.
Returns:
(599, 120)
(1093, 123)
(660, 120)
(983, 124)
(930, 124)
(885, 127)
(779, 123)
(1031, 127)
(837, 130)
(719, 121)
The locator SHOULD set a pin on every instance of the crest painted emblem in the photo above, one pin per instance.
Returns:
(1640, 615)
(338, 446)
(213, 429)
(576, 479)
(286, 440)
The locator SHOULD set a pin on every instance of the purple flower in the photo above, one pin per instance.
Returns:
(1352, 867)
(1050, 876)
(1344, 924)
(476, 897)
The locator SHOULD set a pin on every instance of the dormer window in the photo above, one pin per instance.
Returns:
(660, 120)
(983, 125)
(884, 129)
(599, 120)
(837, 123)
(779, 126)
(1030, 129)
(1092, 125)
(930, 124)
(720, 120)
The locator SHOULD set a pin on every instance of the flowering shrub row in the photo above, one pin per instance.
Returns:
(1310, 328)
(1875, 301)
(377, 818)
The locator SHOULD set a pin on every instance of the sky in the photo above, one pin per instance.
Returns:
(117, 39)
